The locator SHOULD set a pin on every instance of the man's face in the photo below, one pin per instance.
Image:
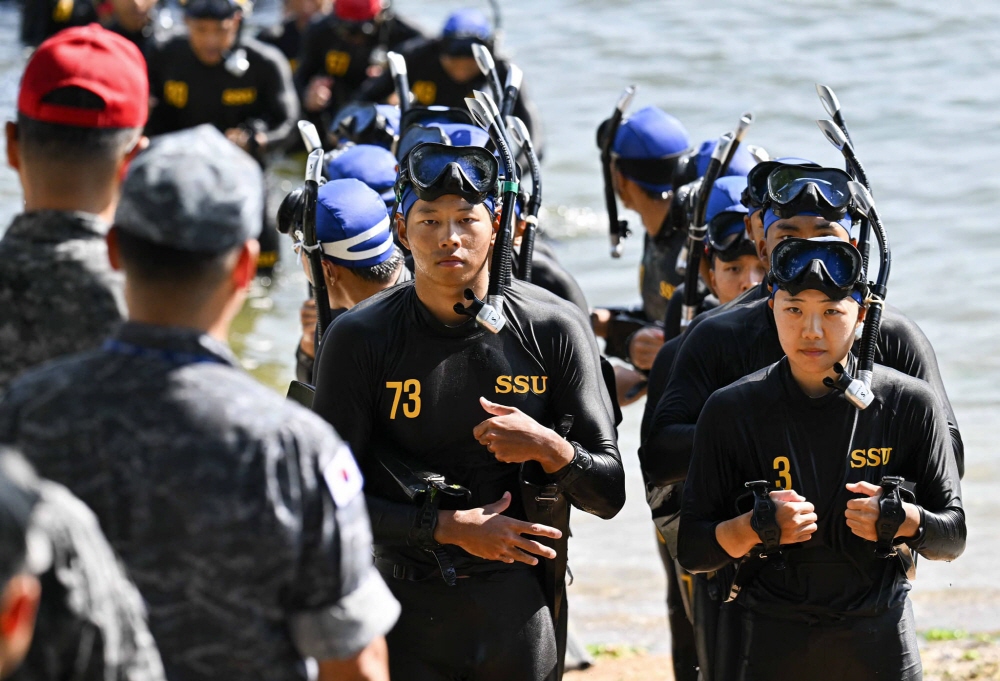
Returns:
(801, 226)
(133, 15)
(450, 239)
(815, 332)
(460, 69)
(730, 279)
(211, 39)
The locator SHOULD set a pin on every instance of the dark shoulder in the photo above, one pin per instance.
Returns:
(263, 52)
(173, 48)
(760, 389)
(544, 307)
(711, 327)
(895, 324)
(374, 314)
(420, 47)
(904, 394)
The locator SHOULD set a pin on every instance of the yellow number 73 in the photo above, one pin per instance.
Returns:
(411, 409)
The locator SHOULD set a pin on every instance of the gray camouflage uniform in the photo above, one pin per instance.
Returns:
(91, 622)
(238, 513)
(58, 292)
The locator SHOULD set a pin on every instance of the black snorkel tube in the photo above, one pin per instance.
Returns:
(400, 80)
(489, 314)
(511, 90)
(858, 390)
(519, 133)
(488, 67)
(310, 244)
(832, 106)
(618, 229)
(722, 156)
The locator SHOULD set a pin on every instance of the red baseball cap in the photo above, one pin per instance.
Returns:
(94, 59)
(357, 10)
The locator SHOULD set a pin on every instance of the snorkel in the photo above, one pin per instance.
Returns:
(487, 66)
(297, 218)
(511, 90)
(722, 156)
(519, 133)
(489, 314)
(858, 390)
(618, 228)
(400, 80)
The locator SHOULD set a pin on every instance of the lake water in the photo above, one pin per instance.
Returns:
(919, 84)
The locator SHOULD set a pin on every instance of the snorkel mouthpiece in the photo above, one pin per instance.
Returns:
(857, 391)
(489, 315)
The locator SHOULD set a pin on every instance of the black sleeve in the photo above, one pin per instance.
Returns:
(579, 391)
(402, 31)
(938, 489)
(666, 453)
(282, 101)
(160, 112)
(311, 59)
(342, 361)
(554, 278)
(376, 89)
(658, 377)
(708, 490)
(905, 348)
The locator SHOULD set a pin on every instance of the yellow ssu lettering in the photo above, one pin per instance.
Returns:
(503, 385)
(873, 457)
(519, 385)
(337, 62)
(239, 96)
(176, 93)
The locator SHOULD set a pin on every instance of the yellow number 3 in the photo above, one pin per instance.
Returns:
(784, 470)
(412, 389)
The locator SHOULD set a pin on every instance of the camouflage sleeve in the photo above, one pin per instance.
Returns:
(91, 617)
(338, 602)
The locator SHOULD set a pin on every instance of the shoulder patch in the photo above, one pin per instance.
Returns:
(343, 477)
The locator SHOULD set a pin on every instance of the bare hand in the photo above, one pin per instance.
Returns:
(318, 93)
(485, 533)
(308, 317)
(644, 345)
(627, 382)
(863, 513)
(514, 437)
(796, 517)
(239, 137)
(599, 318)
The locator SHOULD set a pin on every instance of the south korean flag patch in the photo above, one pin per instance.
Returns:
(343, 477)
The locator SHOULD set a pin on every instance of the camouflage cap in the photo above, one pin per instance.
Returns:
(18, 495)
(193, 190)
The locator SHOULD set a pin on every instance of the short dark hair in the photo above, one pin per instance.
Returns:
(383, 273)
(71, 143)
(155, 264)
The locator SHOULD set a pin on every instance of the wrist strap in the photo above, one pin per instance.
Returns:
(764, 521)
(890, 516)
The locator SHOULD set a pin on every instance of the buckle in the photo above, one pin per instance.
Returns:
(764, 521)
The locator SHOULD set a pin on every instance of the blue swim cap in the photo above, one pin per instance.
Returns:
(373, 165)
(352, 224)
(410, 197)
(725, 197)
(741, 164)
(467, 23)
(651, 133)
(463, 135)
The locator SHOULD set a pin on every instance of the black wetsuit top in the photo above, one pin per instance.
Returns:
(287, 38)
(548, 273)
(430, 84)
(393, 379)
(765, 428)
(144, 38)
(188, 93)
(325, 52)
(726, 347)
(675, 308)
(41, 19)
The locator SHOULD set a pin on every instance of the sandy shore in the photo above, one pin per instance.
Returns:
(947, 656)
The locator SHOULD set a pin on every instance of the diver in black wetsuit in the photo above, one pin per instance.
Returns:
(430, 390)
(443, 72)
(728, 346)
(828, 606)
(237, 84)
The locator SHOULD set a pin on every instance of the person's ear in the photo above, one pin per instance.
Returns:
(770, 303)
(137, 149)
(246, 265)
(496, 228)
(114, 254)
(746, 226)
(862, 312)
(13, 147)
(401, 231)
(331, 273)
(18, 609)
(762, 253)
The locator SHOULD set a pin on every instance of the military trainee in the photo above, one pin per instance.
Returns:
(81, 108)
(828, 606)
(238, 513)
(434, 391)
(68, 610)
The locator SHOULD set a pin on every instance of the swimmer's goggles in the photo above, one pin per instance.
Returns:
(797, 190)
(755, 194)
(435, 170)
(726, 236)
(825, 264)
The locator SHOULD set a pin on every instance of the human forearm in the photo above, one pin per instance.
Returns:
(371, 664)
